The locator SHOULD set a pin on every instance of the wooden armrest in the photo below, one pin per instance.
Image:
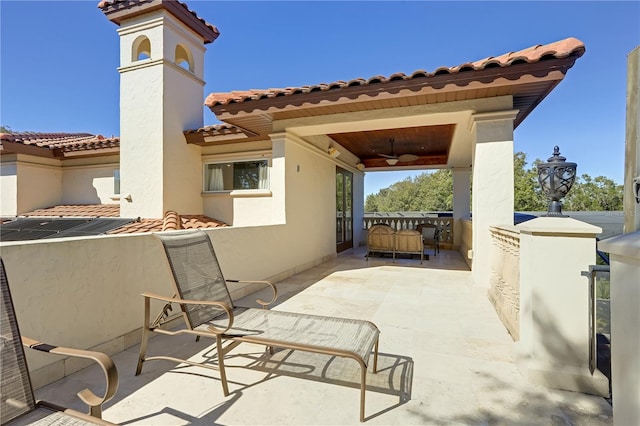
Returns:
(105, 362)
(260, 301)
(177, 300)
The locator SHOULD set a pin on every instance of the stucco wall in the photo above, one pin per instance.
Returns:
(39, 186)
(310, 199)
(85, 292)
(8, 189)
(88, 184)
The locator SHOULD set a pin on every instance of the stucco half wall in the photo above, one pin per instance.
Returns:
(85, 292)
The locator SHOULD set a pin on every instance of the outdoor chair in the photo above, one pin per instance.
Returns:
(381, 238)
(201, 292)
(17, 401)
(430, 236)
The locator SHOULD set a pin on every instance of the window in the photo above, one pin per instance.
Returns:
(236, 176)
(116, 182)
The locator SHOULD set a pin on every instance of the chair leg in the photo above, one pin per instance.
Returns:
(145, 335)
(375, 356)
(223, 374)
(363, 385)
(96, 411)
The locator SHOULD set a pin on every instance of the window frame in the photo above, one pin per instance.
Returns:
(234, 161)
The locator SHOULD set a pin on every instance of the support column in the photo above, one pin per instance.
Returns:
(278, 177)
(553, 350)
(625, 318)
(461, 202)
(632, 144)
(492, 193)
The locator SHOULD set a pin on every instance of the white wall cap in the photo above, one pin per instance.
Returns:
(557, 225)
(627, 245)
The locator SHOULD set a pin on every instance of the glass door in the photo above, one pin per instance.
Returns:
(344, 211)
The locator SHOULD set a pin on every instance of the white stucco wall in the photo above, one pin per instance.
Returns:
(625, 323)
(553, 349)
(359, 234)
(158, 100)
(8, 189)
(310, 198)
(99, 280)
(242, 207)
(39, 186)
(492, 193)
(88, 184)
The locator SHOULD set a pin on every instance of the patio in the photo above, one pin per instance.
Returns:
(445, 358)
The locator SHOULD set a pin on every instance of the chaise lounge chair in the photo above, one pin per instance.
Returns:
(17, 401)
(201, 292)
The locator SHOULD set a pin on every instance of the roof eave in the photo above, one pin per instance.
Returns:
(440, 81)
(117, 12)
(37, 151)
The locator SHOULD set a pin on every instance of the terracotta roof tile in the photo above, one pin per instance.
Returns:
(559, 49)
(171, 220)
(218, 129)
(182, 12)
(65, 142)
(77, 210)
(158, 225)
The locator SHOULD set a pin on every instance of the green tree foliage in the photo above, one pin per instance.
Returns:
(5, 129)
(433, 191)
(594, 194)
(527, 194)
(425, 192)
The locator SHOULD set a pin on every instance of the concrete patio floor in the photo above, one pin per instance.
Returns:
(445, 359)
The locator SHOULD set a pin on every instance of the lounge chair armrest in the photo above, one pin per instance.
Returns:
(106, 363)
(260, 301)
(222, 305)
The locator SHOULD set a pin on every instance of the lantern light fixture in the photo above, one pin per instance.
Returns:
(556, 177)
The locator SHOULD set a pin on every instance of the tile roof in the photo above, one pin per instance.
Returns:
(218, 130)
(171, 220)
(533, 54)
(116, 10)
(60, 143)
(169, 223)
(77, 210)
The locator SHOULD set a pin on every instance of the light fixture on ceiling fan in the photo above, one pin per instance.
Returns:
(392, 159)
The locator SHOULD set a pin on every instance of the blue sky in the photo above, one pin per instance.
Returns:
(59, 59)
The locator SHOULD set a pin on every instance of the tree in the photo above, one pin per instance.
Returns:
(425, 192)
(5, 129)
(527, 194)
(433, 191)
(595, 194)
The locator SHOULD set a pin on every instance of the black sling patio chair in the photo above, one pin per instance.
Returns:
(17, 401)
(201, 292)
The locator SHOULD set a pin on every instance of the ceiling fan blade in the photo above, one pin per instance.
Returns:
(387, 156)
(407, 157)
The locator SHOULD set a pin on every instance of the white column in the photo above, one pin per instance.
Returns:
(461, 201)
(632, 144)
(278, 178)
(553, 350)
(492, 192)
(624, 251)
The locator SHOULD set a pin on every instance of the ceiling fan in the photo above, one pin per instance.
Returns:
(392, 159)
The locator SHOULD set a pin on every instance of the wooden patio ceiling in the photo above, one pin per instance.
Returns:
(431, 145)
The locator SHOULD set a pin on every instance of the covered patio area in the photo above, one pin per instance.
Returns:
(445, 358)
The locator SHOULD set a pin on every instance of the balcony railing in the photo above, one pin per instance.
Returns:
(504, 290)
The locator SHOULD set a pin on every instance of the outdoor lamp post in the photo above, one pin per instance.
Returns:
(556, 178)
